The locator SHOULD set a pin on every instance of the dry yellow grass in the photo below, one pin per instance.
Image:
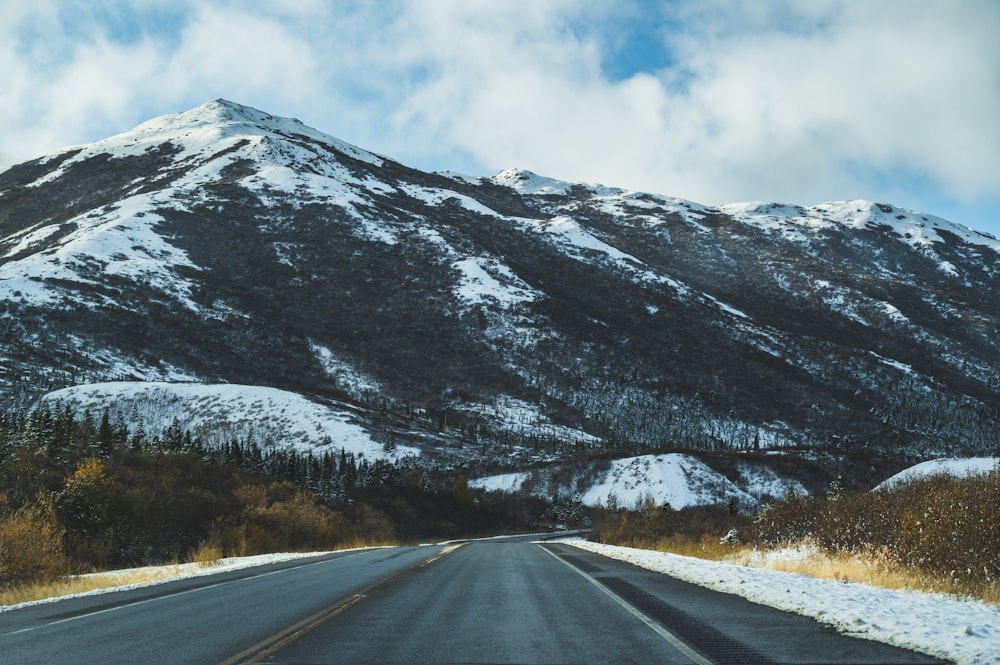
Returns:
(872, 570)
(207, 555)
(83, 583)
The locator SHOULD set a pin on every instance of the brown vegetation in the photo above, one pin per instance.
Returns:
(31, 546)
(939, 534)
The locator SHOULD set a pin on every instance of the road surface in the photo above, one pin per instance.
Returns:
(503, 601)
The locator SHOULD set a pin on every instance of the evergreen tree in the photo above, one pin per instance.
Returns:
(105, 436)
(461, 492)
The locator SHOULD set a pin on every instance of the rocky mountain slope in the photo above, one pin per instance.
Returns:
(226, 245)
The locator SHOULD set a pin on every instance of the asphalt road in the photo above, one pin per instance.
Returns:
(505, 601)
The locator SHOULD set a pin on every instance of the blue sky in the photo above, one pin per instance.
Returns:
(715, 101)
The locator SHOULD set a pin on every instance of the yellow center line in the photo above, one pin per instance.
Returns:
(282, 638)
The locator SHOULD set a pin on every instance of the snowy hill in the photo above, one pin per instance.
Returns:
(516, 318)
(220, 413)
(676, 480)
(960, 468)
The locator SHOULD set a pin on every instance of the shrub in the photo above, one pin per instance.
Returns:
(207, 554)
(950, 527)
(789, 521)
(88, 507)
(300, 523)
(937, 533)
(942, 525)
(31, 544)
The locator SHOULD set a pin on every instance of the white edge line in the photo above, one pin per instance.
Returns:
(639, 614)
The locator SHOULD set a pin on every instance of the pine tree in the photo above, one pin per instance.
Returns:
(105, 436)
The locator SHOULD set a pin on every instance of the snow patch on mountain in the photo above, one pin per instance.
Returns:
(762, 483)
(622, 203)
(526, 182)
(202, 130)
(509, 483)
(524, 419)
(485, 280)
(221, 412)
(120, 241)
(675, 479)
(653, 211)
(579, 243)
(346, 375)
(801, 224)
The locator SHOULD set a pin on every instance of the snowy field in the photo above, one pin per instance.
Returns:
(963, 631)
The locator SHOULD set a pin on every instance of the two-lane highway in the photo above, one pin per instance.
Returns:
(506, 601)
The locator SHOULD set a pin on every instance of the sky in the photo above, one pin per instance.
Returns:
(715, 101)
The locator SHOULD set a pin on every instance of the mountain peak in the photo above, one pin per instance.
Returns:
(206, 129)
(528, 182)
(224, 117)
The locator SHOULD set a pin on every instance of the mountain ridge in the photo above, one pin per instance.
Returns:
(227, 244)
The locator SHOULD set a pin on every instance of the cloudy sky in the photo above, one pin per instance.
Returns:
(798, 101)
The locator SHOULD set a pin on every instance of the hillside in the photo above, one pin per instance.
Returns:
(499, 321)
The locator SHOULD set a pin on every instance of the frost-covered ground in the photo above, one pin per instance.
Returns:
(963, 631)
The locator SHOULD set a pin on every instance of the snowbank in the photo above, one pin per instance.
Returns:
(966, 632)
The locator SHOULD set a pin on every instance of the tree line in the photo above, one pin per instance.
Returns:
(81, 493)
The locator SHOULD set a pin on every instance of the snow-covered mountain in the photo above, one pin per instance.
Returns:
(478, 316)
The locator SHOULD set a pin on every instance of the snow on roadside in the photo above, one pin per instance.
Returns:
(966, 632)
(171, 573)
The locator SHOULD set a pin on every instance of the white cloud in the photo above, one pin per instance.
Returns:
(765, 112)
(239, 53)
(773, 99)
(884, 85)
